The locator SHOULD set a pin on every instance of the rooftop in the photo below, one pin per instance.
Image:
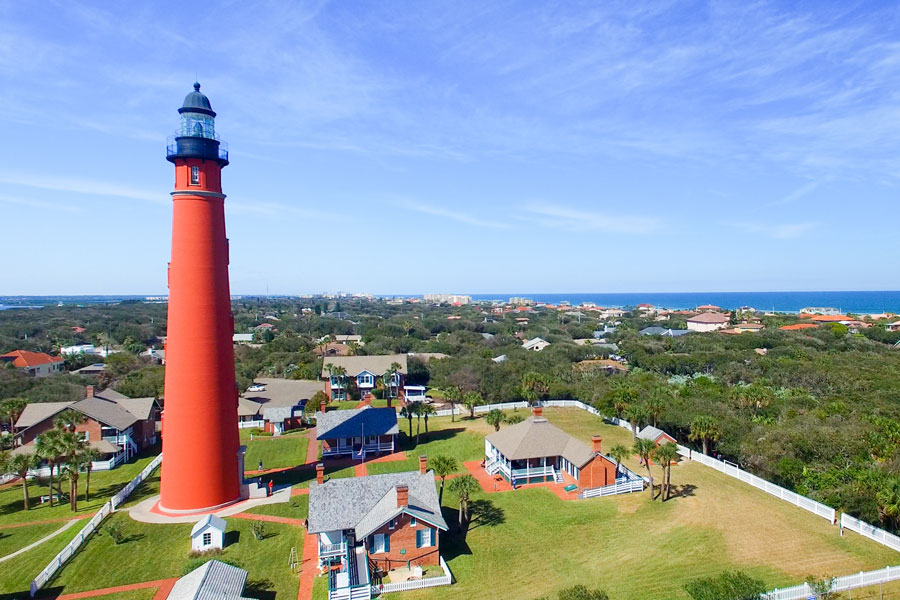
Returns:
(376, 364)
(355, 422)
(535, 437)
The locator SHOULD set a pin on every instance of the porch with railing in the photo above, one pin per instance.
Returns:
(359, 449)
(331, 550)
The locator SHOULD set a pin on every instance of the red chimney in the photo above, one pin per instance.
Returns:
(322, 406)
(596, 441)
(320, 473)
(537, 411)
(88, 391)
(423, 464)
(402, 495)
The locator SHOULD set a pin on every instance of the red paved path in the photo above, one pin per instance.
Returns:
(491, 485)
(360, 470)
(269, 518)
(312, 447)
(299, 491)
(61, 520)
(163, 587)
(308, 564)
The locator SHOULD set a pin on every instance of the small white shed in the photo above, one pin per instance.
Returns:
(208, 534)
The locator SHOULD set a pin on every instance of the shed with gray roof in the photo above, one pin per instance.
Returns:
(213, 580)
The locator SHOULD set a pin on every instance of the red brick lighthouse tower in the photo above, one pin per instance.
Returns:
(202, 464)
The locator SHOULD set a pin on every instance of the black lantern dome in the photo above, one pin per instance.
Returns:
(197, 137)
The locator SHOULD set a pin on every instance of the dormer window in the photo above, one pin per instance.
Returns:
(195, 175)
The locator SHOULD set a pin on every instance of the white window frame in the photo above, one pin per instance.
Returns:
(195, 175)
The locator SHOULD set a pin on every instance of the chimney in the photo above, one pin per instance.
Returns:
(389, 399)
(402, 495)
(423, 464)
(596, 440)
(537, 411)
(88, 391)
(320, 473)
(322, 406)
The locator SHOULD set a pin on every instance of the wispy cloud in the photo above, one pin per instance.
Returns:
(578, 220)
(797, 194)
(81, 186)
(778, 231)
(453, 215)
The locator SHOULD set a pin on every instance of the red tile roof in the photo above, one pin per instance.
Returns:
(25, 358)
(798, 326)
(830, 318)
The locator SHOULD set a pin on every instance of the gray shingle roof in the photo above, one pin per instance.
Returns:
(656, 330)
(710, 317)
(35, 412)
(213, 580)
(652, 433)
(141, 408)
(248, 408)
(355, 365)
(366, 503)
(535, 437)
(356, 422)
(105, 411)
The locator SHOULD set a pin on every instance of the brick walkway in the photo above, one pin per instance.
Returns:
(163, 587)
(491, 485)
(269, 519)
(45, 521)
(312, 447)
(308, 567)
(360, 470)
(299, 491)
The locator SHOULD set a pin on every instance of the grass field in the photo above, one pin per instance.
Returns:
(15, 538)
(275, 452)
(16, 573)
(159, 551)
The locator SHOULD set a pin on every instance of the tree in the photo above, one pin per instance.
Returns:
(427, 410)
(621, 397)
(19, 465)
(89, 455)
(619, 453)
(407, 414)
(454, 396)
(463, 487)
(656, 402)
(68, 420)
(415, 408)
(442, 466)
(888, 499)
(47, 447)
(340, 373)
(821, 587)
(705, 429)
(580, 592)
(636, 415)
(644, 449)
(534, 386)
(495, 418)
(10, 409)
(664, 454)
(471, 400)
(72, 449)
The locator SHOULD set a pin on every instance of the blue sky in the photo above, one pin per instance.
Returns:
(416, 147)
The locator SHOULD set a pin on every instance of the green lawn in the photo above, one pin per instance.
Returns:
(15, 538)
(158, 551)
(275, 452)
(16, 573)
(104, 485)
(296, 508)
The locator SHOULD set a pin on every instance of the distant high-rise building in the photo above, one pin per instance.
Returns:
(448, 299)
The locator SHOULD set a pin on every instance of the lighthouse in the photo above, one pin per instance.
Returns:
(202, 467)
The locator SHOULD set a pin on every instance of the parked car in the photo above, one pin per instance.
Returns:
(257, 387)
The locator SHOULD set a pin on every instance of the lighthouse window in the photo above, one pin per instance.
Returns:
(195, 175)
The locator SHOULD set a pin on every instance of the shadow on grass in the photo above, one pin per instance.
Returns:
(484, 513)
(262, 589)
(232, 537)
(682, 491)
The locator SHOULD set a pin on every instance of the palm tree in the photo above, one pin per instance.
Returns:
(415, 408)
(705, 429)
(664, 455)
(340, 373)
(888, 498)
(352, 348)
(644, 449)
(47, 447)
(534, 386)
(471, 400)
(655, 404)
(619, 453)
(495, 418)
(68, 420)
(90, 455)
(636, 415)
(19, 465)
(72, 448)
(406, 413)
(454, 396)
(10, 409)
(442, 466)
(427, 410)
(464, 487)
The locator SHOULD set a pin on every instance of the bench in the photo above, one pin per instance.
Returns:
(571, 487)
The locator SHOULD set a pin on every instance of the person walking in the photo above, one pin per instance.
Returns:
(271, 486)
(260, 466)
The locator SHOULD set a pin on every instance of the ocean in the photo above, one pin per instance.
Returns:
(853, 302)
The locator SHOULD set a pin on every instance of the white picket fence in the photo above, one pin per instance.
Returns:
(731, 470)
(870, 531)
(625, 487)
(841, 584)
(418, 584)
(66, 553)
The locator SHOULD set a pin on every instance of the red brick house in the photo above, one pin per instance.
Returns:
(657, 436)
(116, 425)
(383, 521)
(535, 451)
(36, 364)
